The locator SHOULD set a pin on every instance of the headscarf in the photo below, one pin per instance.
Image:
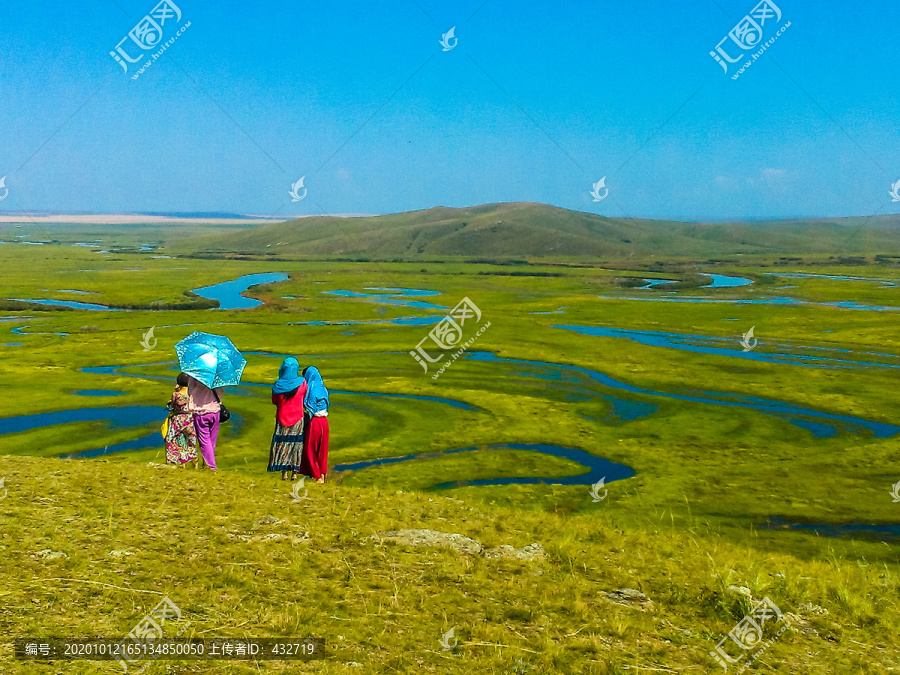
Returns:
(288, 377)
(316, 394)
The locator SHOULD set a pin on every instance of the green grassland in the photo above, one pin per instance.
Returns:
(681, 530)
(241, 558)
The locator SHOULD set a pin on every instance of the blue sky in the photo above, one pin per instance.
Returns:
(536, 101)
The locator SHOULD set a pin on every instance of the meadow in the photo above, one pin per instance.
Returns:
(746, 462)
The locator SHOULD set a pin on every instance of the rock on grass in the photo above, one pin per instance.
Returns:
(460, 543)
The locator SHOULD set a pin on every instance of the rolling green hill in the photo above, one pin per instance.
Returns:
(531, 230)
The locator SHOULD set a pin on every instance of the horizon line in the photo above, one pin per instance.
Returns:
(50, 216)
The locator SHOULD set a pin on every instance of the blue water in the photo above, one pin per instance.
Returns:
(72, 304)
(126, 416)
(801, 275)
(731, 347)
(626, 410)
(337, 393)
(99, 392)
(399, 321)
(228, 293)
(154, 440)
(845, 304)
(722, 281)
(766, 406)
(656, 282)
(20, 330)
(116, 418)
(393, 296)
(118, 370)
(405, 292)
(882, 532)
(596, 467)
(411, 397)
(13, 344)
(621, 409)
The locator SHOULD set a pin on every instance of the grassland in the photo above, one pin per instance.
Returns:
(682, 530)
(90, 547)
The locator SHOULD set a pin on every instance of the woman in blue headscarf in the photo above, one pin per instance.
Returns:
(315, 442)
(288, 395)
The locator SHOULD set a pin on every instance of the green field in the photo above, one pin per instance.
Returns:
(691, 522)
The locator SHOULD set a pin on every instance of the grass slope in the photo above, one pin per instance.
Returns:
(89, 547)
(537, 230)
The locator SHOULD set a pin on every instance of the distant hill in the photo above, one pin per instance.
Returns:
(529, 230)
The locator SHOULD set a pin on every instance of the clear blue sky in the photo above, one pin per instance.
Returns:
(537, 101)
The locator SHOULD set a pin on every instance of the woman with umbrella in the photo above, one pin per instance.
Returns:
(288, 395)
(206, 406)
(212, 362)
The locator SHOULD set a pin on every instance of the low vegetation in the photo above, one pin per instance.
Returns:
(90, 547)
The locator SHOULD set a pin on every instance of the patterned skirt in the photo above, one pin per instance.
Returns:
(287, 447)
(181, 439)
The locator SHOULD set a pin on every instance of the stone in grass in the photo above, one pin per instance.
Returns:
(455, 541)
(810, 608)
(268, 520)
(460, 543)
(47, 554)
(272, 536)
(530, 552)
(742, 590)
(117, 553)
(629, 597)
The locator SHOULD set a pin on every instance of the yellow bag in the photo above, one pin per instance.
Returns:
(164, 429)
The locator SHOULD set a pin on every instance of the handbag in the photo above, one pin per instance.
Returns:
(164, 429)
(224, 413)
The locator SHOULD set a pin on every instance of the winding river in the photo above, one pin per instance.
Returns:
(792, 354)
(597, 467)
(229, 294)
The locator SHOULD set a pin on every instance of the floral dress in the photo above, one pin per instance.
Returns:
(181, 438)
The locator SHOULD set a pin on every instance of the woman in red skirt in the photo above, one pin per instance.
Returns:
(314, 462)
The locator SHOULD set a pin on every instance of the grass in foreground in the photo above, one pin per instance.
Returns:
(241, 558)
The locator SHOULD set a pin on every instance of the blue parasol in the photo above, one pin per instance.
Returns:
(210, 359)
